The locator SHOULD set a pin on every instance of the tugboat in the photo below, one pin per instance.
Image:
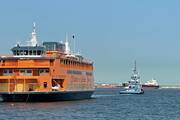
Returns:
(134, 86)
(47, 72)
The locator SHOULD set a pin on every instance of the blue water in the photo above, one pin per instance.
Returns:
(162, 104)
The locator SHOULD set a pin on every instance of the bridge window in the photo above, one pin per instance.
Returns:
(7, 72)
(43, 71)
(39, 52)
(74, 72)
(27, 72)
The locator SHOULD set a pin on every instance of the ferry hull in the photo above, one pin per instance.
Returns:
(44, 96)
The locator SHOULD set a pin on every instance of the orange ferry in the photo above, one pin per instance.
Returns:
(45, 73)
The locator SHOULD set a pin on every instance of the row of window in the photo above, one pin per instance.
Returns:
(76, 72)
(7, 71)
(89, 73)
(24, 71)
(28, 52)
(70, 62)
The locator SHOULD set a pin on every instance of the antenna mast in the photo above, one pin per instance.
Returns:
(73, 37)
(67, 48)
(33, 36)
(135, 68)
(135, 65)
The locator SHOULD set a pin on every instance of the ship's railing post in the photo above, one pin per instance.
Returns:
(9, 85)
(24, 86)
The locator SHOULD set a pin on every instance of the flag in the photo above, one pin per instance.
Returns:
(73, 36)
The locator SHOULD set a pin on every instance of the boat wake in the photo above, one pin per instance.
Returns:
(170, 87)
(127, 94)
(99, 96)
(1, 99)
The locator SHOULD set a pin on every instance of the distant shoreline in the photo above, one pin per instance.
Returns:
(120, 86)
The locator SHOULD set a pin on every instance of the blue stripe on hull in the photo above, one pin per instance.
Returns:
(45, 96)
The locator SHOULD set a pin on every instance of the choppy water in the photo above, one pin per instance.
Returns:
(162, 104)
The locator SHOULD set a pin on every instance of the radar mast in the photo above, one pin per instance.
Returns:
(33, 36)
(67, 48)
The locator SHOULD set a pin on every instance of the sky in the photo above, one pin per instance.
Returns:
(113, 33)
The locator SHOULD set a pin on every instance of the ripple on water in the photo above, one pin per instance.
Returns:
(162, 104)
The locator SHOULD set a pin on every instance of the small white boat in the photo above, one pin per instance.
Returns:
(134, 86)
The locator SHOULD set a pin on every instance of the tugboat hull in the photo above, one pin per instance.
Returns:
(44, 96)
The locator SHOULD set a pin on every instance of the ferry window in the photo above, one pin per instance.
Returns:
(51, 62)
(22, 71)
(89, 73)
(7, 71)
(34, 52)
(41, 71)
(61, 61)
(44, 71)
(4, 71)
(47, 70)
(38, 52)
(45, 84)
(74, 72)
(10, 71)
(29, 71)
(20, 52)
(30, 52)
(17, 52)
(26, 52)
(14, 52)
